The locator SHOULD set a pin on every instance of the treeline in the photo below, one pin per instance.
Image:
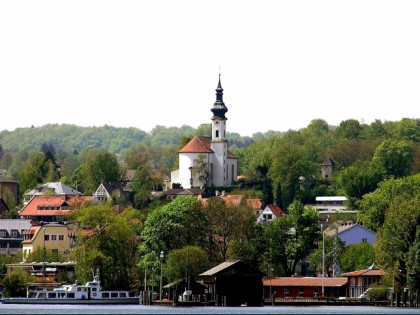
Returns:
(112, 139)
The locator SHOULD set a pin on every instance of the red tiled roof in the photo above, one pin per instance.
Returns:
(232, 200)
(305, 282)
(32, 208)
(364, 272)
(255, 204)
(202, 145)
(198, 145)
(276, 210)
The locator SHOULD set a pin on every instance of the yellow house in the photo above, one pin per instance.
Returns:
(53, 237)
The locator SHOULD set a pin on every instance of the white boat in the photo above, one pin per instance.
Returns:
(90, 293)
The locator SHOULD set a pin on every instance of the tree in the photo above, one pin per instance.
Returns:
(290, 162)
(413, 264)
(181, 218)
(333, 251)
(357, 257)
(396, 239)
(186, 262)
(143, 183)
(99, 167)
(349, 129)
(226, 223)
(15, 283)
(358, 179)
(394, 157)
(303, 235)
(201, 170)
(105, 243)
(374, 205)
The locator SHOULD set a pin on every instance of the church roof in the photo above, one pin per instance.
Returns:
(200, 144)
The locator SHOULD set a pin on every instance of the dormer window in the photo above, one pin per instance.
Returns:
(3, 233)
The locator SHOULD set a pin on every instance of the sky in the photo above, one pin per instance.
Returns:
(147, 63)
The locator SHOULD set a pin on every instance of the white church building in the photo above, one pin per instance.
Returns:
(206, 161)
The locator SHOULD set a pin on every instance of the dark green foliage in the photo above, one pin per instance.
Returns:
(15, 283)
(357, 257)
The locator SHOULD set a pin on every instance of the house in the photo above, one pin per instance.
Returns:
(11, 235)
(9, 189)
(206, 161)
(304, 287)
(51, 237)
(52, 208)
(327, 168)
(111, 192)
(233, 283)
(52, 188)
(360, 280)
(270, 213)
(353, 233)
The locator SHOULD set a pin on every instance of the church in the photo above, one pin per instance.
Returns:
(206, 161)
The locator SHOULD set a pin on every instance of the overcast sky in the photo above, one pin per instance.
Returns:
(156, 62)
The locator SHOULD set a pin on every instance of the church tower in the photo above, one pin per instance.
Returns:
(219, 167)
(206, 161)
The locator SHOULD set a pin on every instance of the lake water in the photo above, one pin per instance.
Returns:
(141, 309)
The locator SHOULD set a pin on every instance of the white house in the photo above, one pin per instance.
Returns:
(270, 213)
(206, 161)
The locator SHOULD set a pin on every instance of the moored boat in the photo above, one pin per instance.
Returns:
(90, 293)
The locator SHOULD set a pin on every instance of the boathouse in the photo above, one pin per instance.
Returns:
(233, 283)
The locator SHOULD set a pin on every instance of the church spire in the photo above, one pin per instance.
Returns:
(219, 109)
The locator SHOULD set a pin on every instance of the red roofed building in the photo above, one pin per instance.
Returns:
(52, 208)
(361, 280)
(270, 213)
(304, 287)
(206, 161)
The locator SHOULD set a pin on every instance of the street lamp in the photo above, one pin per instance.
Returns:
(161, 263)
(323, 257)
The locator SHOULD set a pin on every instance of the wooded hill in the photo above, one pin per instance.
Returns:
(111, 139)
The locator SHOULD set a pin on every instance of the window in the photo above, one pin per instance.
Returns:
(14, 233)
(315, 291)
(217, 133)
(286, 292)
(46, 237)
(364, 240)
(61, 237)
(3, 233)
(53, 237)
(301, 292)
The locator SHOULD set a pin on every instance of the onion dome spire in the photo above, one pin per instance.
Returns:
(219, 109)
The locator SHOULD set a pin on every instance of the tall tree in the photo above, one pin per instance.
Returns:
(186, 263)
(105, 243)
(396, 238)
(357, 257)
(100, 167)
(227, 223)
(394, 157)
(374, 205)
